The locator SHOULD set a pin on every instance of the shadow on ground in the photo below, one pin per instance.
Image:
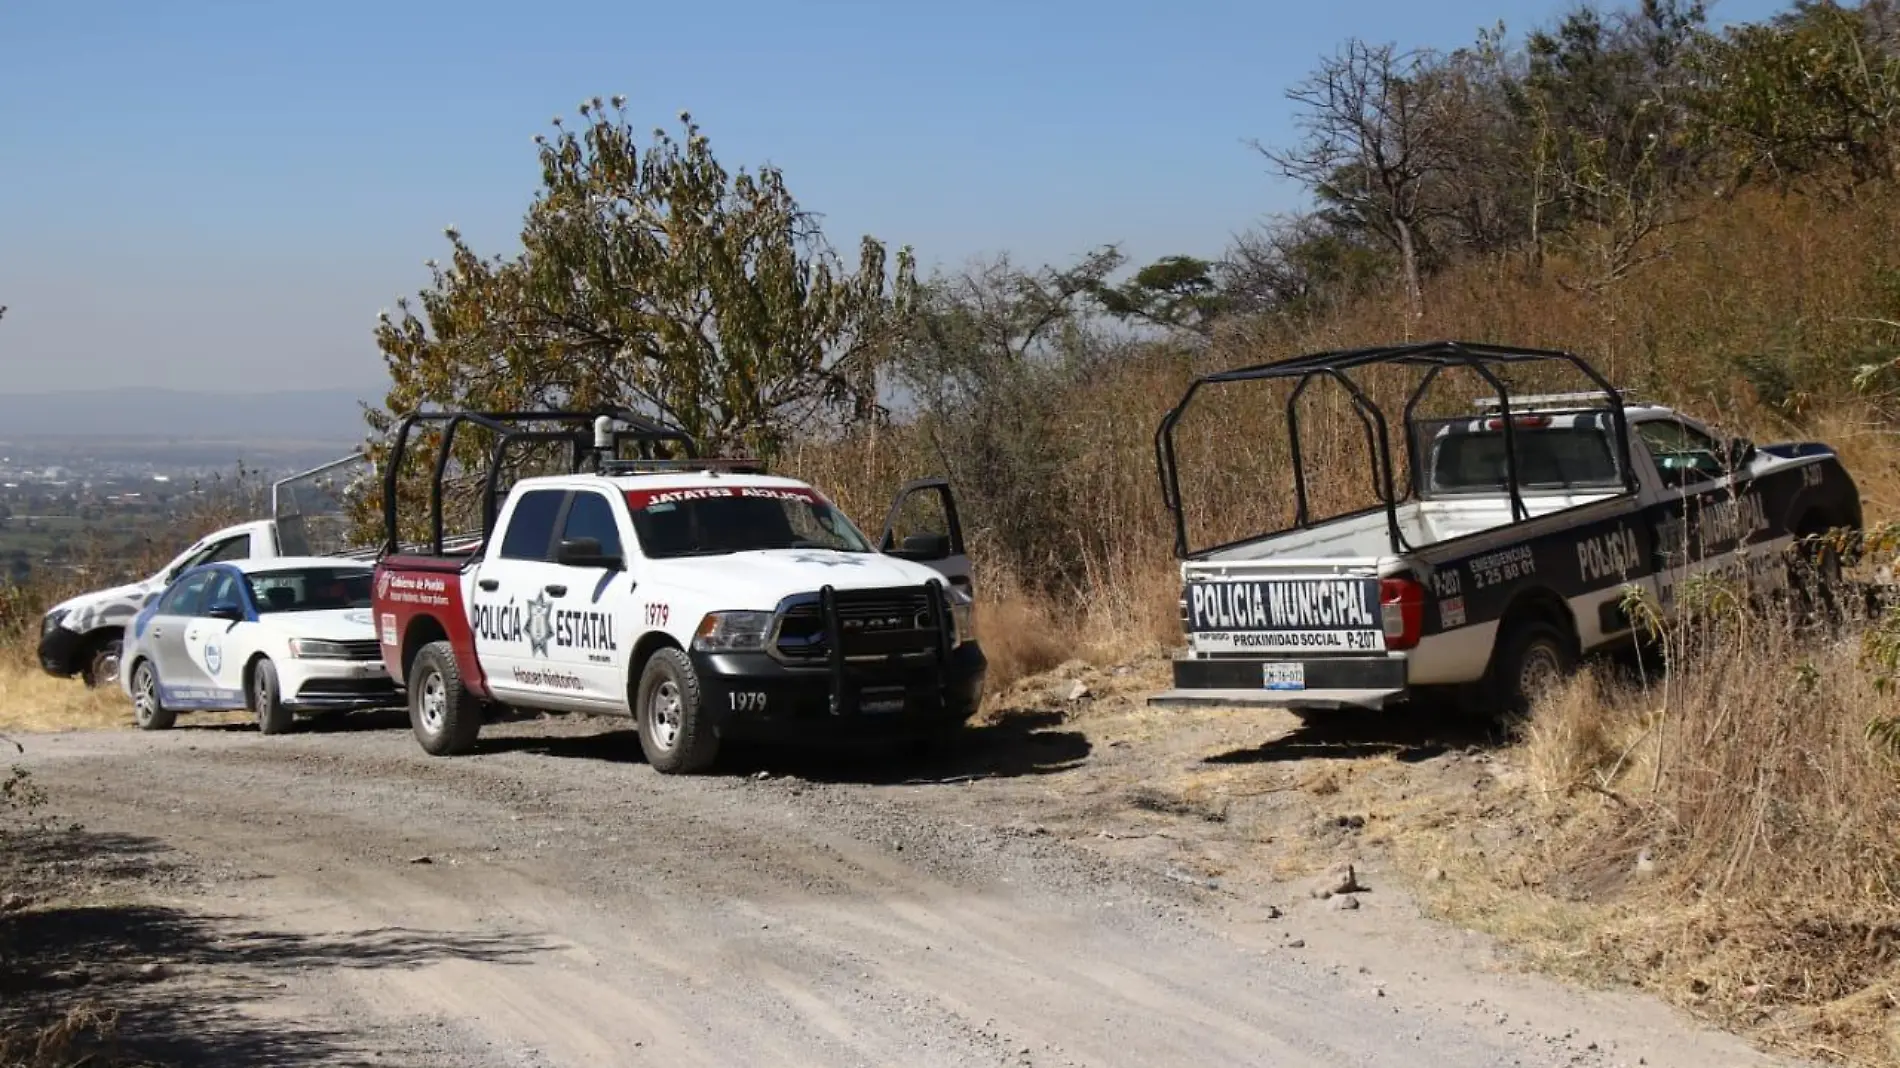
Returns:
(179, 980)
(1014, 744)
(375, 719)
(1409, 733)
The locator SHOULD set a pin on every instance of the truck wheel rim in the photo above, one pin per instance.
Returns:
(435, 700)
(105, 666)
(144, 694)
(1541, 671)
(664, 714)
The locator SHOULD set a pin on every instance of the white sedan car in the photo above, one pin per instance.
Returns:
(277, 636)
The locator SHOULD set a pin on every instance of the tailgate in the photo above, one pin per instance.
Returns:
(1287, 633)
(1291, 613)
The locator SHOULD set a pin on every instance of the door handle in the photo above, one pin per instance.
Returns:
(490, 585)
(555, 589)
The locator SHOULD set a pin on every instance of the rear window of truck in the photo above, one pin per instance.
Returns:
(1548, 458)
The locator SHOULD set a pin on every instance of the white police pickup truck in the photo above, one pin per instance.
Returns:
(705, 599)
(1508, 555)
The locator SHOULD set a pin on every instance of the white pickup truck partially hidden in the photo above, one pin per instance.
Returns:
(83, 635)
(1508, 556)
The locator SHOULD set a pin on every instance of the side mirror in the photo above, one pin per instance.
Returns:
(585, 552)
(226, 610)
(926, 547)
(1740, 452)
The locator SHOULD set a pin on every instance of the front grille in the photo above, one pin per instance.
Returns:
(871, 623)
(369, 650)
(317, 688)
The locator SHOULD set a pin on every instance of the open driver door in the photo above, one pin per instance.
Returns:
(923, 526)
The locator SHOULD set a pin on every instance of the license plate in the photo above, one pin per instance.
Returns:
(367, 670)
(1288, 675)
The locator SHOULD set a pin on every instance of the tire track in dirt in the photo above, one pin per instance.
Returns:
(662, 920)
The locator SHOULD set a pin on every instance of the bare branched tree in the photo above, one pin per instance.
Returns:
(1375, 142)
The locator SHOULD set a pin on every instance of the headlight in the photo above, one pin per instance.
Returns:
(312, 649)
(732, 632)
(52, 620)
(963, 614)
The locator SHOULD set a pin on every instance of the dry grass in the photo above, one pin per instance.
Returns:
(1021, 636)
(84, 1036)
(1723, 837)
(31, 700)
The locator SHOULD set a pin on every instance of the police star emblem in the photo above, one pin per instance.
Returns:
(539, 628)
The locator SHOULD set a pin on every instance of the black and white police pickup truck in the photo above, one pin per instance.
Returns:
(1506, 556)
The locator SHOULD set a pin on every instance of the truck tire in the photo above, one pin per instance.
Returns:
(1814, 571)
(267, 700)
(102, 665)
(445, 717)
(674, 732)
(1533, 656)
(148, 711)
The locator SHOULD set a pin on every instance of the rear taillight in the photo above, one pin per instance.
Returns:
(1402, 604)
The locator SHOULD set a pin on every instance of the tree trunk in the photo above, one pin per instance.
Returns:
(1408, 264)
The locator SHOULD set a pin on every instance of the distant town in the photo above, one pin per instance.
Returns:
(92, 505)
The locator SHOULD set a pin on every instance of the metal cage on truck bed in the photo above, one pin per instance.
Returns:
(1434, 357)
(584, 432)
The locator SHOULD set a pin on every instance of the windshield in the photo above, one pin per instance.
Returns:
(310, 589)
(1547, 458)
(736, 519)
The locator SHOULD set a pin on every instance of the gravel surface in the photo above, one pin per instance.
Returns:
(335, 896)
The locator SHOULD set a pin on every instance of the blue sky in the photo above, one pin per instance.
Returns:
(222, 193)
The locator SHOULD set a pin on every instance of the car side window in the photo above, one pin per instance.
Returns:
(188, 597)
(221, 590)
(590, 516)
(531, 527)
(237, 548)
(1684, 456)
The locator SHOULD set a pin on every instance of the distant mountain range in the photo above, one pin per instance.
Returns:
(321, 415)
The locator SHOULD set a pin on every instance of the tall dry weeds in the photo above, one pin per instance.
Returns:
(1728, 828)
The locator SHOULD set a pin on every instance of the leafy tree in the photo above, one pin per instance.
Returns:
(1177, 292)
(1815, 92)
(989, 355)
(657, 279)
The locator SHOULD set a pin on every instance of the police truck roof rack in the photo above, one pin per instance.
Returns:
(1434, 357)
(589, 434)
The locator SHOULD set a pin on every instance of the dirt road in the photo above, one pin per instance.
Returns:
(335, 896)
